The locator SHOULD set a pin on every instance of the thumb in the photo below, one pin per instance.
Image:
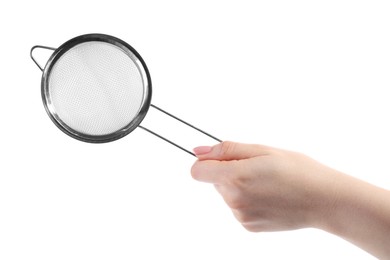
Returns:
(227, 151)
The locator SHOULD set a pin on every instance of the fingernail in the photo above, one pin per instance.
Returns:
(202, 150)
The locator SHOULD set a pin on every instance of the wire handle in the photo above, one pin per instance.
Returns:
(41, 47)
(182, 121)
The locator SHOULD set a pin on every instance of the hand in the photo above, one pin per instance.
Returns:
(267, 189)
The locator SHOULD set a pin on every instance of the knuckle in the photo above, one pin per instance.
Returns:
(235, 202)
(241, 216)
(239, 181)
(227, 147)
(250, 227)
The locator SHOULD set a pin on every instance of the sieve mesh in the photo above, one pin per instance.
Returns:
(96, 88)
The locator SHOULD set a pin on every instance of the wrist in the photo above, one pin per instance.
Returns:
(358, 213)
(326, 198)
(342, 199)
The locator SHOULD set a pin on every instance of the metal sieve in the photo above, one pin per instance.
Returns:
(96, 88)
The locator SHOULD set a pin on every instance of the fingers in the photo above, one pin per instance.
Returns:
(227, 151)
(213, 171)
(218, 163)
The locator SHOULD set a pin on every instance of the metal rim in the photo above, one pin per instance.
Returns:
(131, 53)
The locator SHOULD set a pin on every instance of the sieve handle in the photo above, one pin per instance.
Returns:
(166, 140)
(41, 47)
(182, 121)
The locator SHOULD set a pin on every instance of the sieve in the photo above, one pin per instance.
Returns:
(96, 88)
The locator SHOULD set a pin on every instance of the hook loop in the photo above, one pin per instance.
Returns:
(41, 47)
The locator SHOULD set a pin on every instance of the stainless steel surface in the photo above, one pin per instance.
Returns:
(131, 53)
(136, 59)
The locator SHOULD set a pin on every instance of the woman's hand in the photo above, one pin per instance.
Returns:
(269, 189)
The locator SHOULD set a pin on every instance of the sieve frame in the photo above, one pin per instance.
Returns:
(131, 53)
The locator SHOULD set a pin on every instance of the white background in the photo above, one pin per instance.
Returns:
(311, 76)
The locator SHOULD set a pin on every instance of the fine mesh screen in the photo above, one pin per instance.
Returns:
(96, 88)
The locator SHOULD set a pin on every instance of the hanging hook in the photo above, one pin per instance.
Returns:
(41, 47)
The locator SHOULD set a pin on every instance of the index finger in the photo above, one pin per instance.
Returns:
(212, 171)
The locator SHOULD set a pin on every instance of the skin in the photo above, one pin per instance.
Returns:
(270, 189)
